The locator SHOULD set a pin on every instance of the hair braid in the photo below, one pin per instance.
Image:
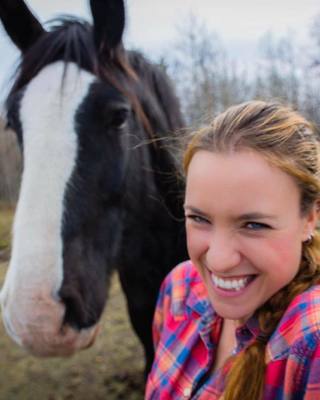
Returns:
(252, 359)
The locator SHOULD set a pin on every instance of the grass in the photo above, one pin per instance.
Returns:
(110, 370)
(6, 218)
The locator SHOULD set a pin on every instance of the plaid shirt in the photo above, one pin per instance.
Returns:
(186, 334)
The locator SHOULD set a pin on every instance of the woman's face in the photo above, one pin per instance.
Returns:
(244, 229)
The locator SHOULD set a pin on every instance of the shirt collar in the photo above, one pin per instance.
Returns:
(199, 302)
(198, 299)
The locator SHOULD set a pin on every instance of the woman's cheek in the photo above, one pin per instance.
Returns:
(282, 254)
(198, 242)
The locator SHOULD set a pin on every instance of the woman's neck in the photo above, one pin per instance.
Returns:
(227, 343)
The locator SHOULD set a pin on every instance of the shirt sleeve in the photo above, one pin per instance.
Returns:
(163, 307)
(301, 379)
(158, 316)
(312, 385)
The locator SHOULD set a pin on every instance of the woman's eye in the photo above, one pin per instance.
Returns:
(256, 226)
(197, 218)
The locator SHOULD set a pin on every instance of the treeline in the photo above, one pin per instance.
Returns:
(209, 80)
(10, 165)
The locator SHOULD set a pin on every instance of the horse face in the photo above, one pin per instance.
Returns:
(73, 129)
(93, 203)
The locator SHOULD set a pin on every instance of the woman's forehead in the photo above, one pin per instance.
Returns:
(243, 180)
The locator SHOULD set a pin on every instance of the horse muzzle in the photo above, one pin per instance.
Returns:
(37, 326)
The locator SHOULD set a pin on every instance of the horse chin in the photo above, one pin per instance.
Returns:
(65, 344)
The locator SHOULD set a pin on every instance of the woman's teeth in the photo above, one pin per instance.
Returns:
(230, 284)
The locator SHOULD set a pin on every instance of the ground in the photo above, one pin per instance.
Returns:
(110, 370)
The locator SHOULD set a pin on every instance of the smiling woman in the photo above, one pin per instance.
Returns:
(245, 246)
(241, 319)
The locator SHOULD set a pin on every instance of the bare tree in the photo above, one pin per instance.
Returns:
(10, 165)
(195, 65)
(209, 81)
(315, 43)
(277, 72)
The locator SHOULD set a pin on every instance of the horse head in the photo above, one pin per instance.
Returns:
(73, 129)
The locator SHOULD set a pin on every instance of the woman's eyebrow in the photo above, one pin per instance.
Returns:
(255, 215)
(194, 210)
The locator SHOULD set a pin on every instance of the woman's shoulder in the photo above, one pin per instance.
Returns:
(303, 313)
(299, 328)
(183, 274)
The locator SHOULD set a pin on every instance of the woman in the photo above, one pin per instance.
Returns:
(241, 319)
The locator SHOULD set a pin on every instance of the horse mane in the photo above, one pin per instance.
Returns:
(157, 86)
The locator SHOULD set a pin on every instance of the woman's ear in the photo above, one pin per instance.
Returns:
(311, 220)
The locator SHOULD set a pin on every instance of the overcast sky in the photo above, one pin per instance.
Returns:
(152, 25)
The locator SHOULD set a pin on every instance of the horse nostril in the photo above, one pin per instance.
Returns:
(78, 313)
(74, 313)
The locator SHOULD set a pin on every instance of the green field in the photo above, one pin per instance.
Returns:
(6, 216)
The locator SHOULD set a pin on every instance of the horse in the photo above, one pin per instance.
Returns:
(99, 190)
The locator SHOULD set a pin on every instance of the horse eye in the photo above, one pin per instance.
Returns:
(119, 117)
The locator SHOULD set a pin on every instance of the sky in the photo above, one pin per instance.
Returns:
(152, 26)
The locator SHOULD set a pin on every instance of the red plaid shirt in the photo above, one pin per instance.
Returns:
(187, 331)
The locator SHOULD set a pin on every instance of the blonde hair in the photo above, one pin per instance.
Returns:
(287, 141)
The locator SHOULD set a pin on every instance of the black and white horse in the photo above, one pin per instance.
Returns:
(99, 189)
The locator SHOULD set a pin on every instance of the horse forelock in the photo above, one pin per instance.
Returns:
(68, 40)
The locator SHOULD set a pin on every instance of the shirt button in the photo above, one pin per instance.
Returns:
(187, 392)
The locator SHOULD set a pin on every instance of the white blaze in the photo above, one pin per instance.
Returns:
(32, 311)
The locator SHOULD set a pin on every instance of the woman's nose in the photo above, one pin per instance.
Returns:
(223, 253)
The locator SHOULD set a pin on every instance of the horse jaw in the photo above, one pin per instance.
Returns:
(32, 311)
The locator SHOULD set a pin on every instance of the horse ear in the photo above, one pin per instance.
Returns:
(108, 24)
(19, 22)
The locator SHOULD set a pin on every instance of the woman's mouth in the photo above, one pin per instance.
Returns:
(234, 284)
